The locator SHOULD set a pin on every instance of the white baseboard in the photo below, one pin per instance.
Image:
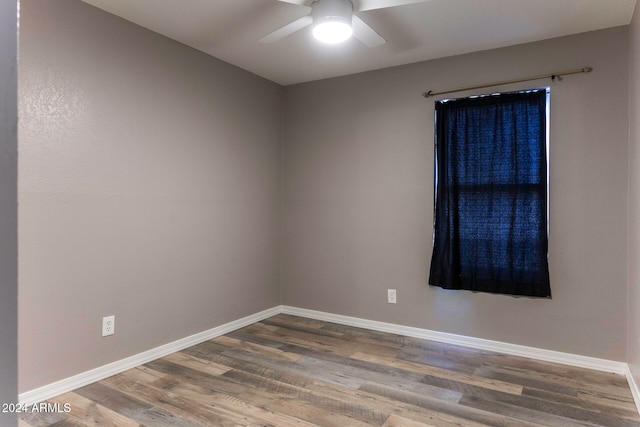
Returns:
(478, 343)
(85, 378)
(68, 384)
(635, 389)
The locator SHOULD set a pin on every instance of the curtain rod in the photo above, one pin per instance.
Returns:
(504, 82)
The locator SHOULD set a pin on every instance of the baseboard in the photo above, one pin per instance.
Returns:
(68, 384)
(635, 388)
(478, 343)
(569, 359)
(85, 378)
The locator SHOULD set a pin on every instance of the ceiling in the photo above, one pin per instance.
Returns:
(230, 30)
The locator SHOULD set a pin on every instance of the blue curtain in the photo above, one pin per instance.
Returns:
(491, 195)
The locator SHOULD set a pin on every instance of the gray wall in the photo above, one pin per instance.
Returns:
(633, 331)
(149, 189)
(358, 197)
(8, 210)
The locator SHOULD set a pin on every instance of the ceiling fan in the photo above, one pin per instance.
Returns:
(335, 21)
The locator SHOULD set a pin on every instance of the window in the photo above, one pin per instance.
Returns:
(490, 225)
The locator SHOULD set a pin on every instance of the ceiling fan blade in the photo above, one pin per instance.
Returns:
(291, 28)
(298, 2)
(367, 35)
(382, 4)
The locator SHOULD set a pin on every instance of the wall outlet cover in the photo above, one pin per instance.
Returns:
(108, 325)
(391, 296)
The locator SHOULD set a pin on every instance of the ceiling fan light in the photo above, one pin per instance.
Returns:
(332, 20)
(332, 31)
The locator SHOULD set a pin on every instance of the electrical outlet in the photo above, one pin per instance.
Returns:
(391, 296)
(108, 325)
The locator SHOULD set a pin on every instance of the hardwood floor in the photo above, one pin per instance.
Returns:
(290, 371)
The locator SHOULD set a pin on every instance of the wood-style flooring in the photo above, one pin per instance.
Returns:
(290, 371)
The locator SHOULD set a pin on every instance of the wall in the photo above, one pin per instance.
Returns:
(149, 188)
(8, 210)
(358, 197)
(633, 340)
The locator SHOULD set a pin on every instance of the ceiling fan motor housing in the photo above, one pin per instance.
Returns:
(332, 10)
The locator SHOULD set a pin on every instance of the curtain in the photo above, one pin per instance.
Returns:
(490, 220)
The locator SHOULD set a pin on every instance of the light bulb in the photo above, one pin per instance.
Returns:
(330, 31)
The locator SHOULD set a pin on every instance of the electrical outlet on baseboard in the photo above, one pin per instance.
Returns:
(108, 325)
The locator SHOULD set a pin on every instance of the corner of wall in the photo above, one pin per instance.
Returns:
(633, 247)
(8, 210)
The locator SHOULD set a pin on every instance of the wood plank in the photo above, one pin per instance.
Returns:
(43, 419)
(570, 374)
(313, 413)
(398, 421)
(543, 411)
(288, 371)
(522, 414)
(287, 376)
(469, 416)
(295, 338)
(137, 410)
(308, 340)
(205, 366)
(615, 400)
(256, 348)
(543, 381)
(329, 396)
(394, 378)
(194, 376)
(222, 401)
(296, 326)
(441, 373)
(456, 364)
(68, 423)
(299, 369)
(165, 398)
(89, 413)
(112, 398)
(324, 398)
(296, 320)
(595, 405)
(273, 389)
